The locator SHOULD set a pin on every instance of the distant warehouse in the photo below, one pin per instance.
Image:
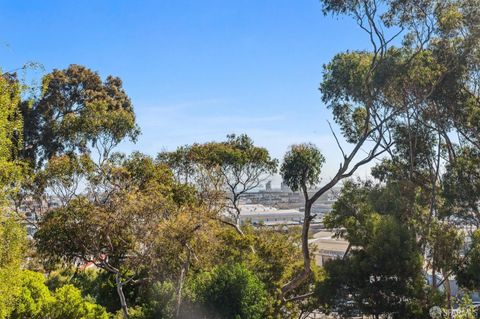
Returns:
(269, 216)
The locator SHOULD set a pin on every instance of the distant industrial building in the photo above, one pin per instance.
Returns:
(263, 215)
(327, 247)
(283, 198)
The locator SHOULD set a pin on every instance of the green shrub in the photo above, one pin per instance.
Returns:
(229, 291)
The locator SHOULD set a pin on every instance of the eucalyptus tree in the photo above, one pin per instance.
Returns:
(436, 141)
(12, 249)
(391, 93)
(12, 235)
(11, 126)
(71, 126)
(129, 230)
(381, 272)
(76, 112)
(301, 170)
(224, 170)
(428, 180)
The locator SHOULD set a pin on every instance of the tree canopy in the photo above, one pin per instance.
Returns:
(132, 236)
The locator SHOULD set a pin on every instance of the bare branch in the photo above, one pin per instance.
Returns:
(336, 139)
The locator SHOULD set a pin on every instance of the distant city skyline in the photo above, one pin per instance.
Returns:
(195, 71)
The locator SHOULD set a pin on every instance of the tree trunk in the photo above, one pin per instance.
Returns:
(448, 291)
(123, 301)
(238, 229)
(297, 281)
(434, 274)
(237, 225)
(347, 251)
(181, 279)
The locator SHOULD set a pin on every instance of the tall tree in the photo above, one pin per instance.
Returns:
(301, 170)
(381, 272)
(232, 168)
(11, 126)
(12, 250)
(77, 111)
(119, 230)
(71, 126)
(12, 235)
(390, 93)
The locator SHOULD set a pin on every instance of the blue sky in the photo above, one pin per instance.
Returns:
(195, 70)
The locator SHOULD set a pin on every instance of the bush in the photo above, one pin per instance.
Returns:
(37, 301)
(230, 291)
(34, 297)
(69, 304)
(96, 284)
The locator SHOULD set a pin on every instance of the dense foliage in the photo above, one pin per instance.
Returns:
(131, 236)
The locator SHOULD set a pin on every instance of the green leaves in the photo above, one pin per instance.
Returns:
(77, 111)
(231, 291)
(382, 271)
(468, 273)
(34, 298)
(344, 90)
(11, 136)
(12, 249)
(344, 77)
(380, 275)
(11, 124)
(301, 166)
(462, 186)
(69, 304)
(23, 293)
(236, 154)
(37, 301)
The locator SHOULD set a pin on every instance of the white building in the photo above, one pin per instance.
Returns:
(270, 216)
(327, 247)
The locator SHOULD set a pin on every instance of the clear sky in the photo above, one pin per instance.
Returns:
(195, 70)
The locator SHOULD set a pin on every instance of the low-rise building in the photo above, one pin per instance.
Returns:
(326, 247)
(286, 199)
(269, 216)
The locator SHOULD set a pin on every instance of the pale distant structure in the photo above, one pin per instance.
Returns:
(327, 247)
(268, 186)
(269, 216)
(284, 198)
